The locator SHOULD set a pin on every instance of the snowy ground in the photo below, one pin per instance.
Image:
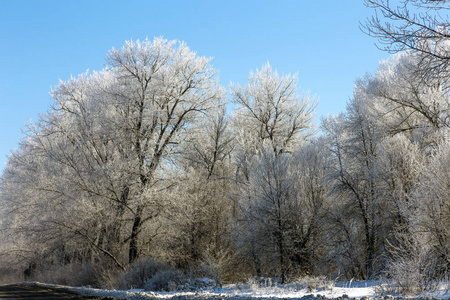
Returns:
(348, 289)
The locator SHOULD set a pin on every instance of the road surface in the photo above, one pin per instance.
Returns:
(19, 292)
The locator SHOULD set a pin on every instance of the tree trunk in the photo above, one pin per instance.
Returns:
(133, 254)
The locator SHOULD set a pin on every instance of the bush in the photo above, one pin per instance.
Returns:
(140, 272)
(166, 281)
(409, 276)
(414, 268)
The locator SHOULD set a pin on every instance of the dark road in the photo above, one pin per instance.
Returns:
(37, 293)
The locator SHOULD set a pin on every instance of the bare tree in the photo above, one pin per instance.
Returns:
(420, 26)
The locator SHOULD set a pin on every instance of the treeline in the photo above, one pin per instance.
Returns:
(142, 160)
(147, 159)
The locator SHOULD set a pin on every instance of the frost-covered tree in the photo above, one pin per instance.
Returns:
(308, 224)
(199, 221)
(162, 89)
(270, 111)
(406, 103)
(430, 212)
(267, 214)
(420, 253)
(282, 216)
(410, 91)
(394, 121)
(93, 165)
(272, 121)
(419, 26)
(211, 144)
(355, 175)
(358, 183)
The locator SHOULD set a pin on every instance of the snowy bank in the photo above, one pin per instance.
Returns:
(342, 291)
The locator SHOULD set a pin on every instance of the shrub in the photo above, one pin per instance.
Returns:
(413, 269)
(166, 281)
(140, 272)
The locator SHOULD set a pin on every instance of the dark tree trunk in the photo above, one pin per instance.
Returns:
(133, 254)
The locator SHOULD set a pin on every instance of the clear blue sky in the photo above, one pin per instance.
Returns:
(42, 41)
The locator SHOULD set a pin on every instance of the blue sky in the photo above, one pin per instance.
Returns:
(42, 41)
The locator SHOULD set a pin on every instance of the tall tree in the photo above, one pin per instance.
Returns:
(271, 122)
(199, 222)
(161, 91)
(99, 152)
(353, 139)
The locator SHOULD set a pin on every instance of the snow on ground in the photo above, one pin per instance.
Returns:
(291, 291)
(352, 289)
